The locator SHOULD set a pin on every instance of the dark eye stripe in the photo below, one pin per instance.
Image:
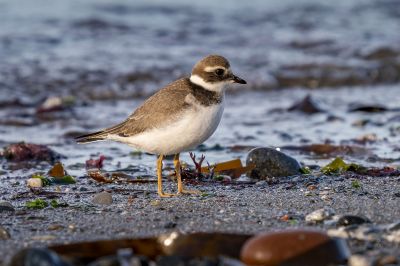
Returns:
(219, 71)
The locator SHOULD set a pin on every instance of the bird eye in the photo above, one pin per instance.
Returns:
(219, 72)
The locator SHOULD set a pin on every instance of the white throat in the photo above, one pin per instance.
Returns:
(217, 87)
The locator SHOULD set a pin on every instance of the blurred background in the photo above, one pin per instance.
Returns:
(71, 67)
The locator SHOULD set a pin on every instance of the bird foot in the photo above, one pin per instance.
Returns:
(166, 195)
(187, 191)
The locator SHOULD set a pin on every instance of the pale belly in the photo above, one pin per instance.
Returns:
(192, 129)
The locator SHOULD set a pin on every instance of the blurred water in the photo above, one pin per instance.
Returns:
(45, 41)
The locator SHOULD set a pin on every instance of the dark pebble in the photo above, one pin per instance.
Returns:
(347, 220)
(37, 256)
(367, 108)
(4, 234)
(170, 225)
(177, 260)
(6, 206)
(269, 163)
(308, 106)
(27, 151)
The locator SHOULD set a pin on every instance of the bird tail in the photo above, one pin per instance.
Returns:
(100, 135)
(92, 137)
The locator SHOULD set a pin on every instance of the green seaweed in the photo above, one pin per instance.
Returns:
(218, 178)
(338, 166)
(36, 204)
(136, 153)
(68, 100)
(356, 184)
(55, 204)
(65, 180)
(305, 170)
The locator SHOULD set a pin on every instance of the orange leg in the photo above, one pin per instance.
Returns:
(159, 176)
(181, 189)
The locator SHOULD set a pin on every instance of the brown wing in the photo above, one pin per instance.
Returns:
(161, 108)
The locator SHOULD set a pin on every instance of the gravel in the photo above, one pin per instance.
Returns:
(137, 211)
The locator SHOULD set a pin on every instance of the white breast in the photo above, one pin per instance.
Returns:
(192, 128)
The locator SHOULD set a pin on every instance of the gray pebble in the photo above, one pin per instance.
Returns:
(102, 198)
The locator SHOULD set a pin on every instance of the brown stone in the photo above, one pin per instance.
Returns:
(271, 249)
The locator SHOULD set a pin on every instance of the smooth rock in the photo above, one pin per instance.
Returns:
(300, 247)
(347, 220)
(320, 215)
(34, 182)
(102, 198)
(4, 234)
(269, 163)
(6, 206)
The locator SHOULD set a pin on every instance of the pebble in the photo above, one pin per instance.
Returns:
(28, 151)
(34, 182)
(308, 193)
(347, 220)
(6, 206)
(170, 225)
(359, 260)
(37, 256)
(320, 215)
(270, 163)
(102, 198)
(387, 260)
(307, 105)
(367, 232)
(261, 183)
(4, 234)
(393, 237)
(394, 226)
(277, 248)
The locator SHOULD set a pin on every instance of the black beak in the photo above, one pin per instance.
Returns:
(236, 79)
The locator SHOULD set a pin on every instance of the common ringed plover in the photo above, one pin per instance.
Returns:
(177, 118)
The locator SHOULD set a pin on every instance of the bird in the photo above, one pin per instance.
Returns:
(177, 118)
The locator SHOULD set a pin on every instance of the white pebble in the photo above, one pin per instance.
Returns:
(358, 260)
(320, 215)
(34, 182)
